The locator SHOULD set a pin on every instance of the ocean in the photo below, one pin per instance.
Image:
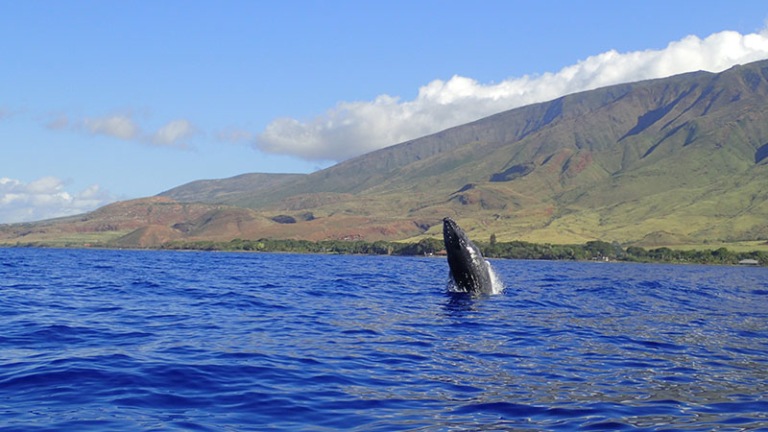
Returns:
(205, 341)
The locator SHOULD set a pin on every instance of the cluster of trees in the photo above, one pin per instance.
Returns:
(358, 247)
(600, 250)
(593, 250)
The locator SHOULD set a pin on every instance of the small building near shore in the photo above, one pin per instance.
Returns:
(749, 262)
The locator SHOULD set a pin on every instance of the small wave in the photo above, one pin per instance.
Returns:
(178, 341)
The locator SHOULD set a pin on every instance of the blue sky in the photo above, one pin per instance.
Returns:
(109, 100)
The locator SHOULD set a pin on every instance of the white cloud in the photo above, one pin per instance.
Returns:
(173, 134)
(46, 198)
(124, 127)
(117, 126)
(354, 128)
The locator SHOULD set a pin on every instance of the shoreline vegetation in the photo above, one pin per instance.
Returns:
(590, 251)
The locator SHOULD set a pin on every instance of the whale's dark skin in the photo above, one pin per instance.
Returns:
(469, 270)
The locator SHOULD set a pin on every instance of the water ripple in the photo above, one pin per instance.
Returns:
(130, 340)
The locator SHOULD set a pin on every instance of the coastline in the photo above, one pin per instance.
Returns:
(597, 251)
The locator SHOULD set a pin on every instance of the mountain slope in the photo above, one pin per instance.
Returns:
(610, 131)
(616, 163)
(676, 160)
(217, 191)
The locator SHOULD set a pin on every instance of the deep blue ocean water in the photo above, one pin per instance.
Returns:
(148, 340)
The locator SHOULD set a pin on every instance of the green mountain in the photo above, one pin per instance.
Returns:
(230, 189)
(680, 160)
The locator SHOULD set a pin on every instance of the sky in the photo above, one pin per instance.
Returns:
(103, 101)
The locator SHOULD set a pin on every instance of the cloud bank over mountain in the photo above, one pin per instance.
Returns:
(45, 198)
(353, 128)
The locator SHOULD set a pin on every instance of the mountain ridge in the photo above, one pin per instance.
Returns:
(682, 158)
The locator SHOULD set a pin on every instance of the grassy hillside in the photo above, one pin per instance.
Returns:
(676, 161)
(230, 189)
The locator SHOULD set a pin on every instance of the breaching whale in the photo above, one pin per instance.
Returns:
(469, 271)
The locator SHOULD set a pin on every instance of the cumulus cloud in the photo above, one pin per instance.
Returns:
(46, 198)
(353, 128)
(117, 126)
(173, 134)
(124, 127)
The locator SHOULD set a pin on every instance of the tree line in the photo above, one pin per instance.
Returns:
(592, 250)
